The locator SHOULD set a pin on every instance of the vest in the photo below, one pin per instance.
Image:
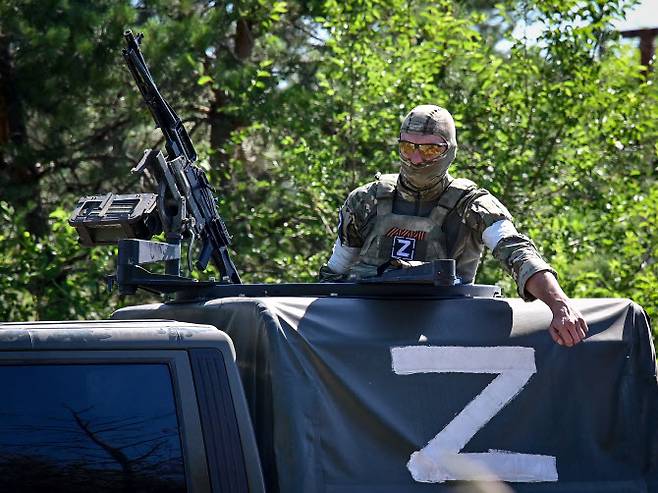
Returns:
(408, 237)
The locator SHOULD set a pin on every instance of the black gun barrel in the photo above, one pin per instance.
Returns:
(177, 141)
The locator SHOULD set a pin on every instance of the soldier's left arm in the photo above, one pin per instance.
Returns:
(568, 326)
(534, 277)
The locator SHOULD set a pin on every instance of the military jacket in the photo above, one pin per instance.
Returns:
(385, 225)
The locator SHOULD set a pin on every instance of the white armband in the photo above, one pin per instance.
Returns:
(497, 231)
(342, 258)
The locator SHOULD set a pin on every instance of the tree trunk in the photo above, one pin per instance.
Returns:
(221, 123)
(18, 171)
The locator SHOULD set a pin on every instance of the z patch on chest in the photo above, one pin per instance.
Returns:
(404, 242)
(403, 248)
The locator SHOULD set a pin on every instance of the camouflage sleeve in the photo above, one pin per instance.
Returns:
(480, 210)
(354, 217)
(353, 223)
(519, 256)
(516, 252)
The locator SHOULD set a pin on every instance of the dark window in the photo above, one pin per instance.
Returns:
(93, 427)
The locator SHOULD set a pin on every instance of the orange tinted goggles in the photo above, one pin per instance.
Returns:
(428, 152)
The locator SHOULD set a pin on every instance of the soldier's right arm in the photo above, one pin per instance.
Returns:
(353, 221)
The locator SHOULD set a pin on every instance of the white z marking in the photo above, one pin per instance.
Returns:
(440, 459)
(404, 244)
(403, 248)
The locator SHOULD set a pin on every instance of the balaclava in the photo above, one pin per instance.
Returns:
(427, 177)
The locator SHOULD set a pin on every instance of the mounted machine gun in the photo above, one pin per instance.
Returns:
(184, 207)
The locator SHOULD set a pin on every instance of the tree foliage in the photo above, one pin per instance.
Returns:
(291, 104)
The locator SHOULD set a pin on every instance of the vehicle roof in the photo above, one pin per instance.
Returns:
(110, 334)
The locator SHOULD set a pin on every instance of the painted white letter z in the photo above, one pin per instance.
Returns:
(440, 459)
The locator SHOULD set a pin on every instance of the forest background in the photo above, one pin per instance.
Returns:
(291, 104)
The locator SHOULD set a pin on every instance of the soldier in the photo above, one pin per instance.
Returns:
(423, 213)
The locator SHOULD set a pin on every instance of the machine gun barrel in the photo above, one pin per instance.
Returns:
(177, 141)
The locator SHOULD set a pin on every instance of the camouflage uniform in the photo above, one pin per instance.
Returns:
(394, 218)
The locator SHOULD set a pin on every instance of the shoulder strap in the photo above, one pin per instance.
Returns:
(386, 193)
(456, 190)
(386, 185)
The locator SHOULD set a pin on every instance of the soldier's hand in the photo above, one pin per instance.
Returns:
(568, 326)
(405, 264)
